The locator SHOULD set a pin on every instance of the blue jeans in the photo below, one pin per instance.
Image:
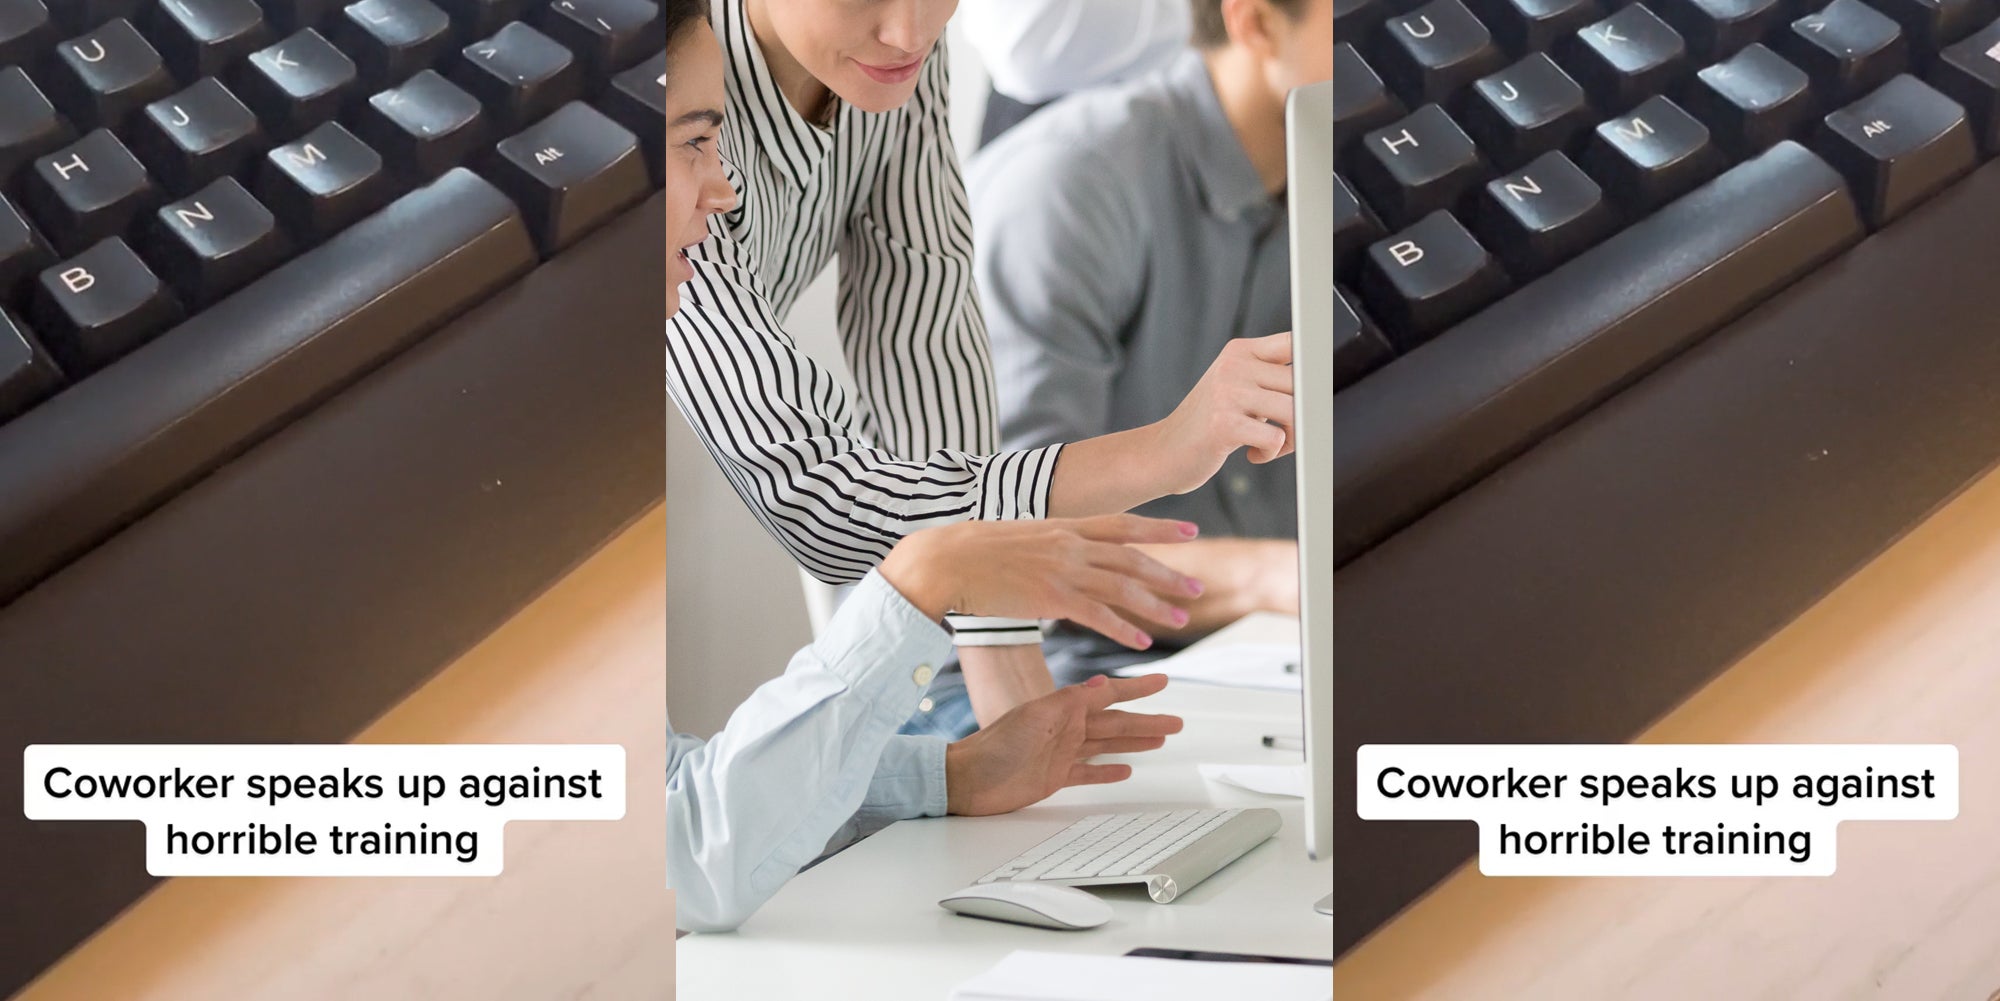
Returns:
(950, 713)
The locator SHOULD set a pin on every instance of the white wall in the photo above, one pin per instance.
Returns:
(735, 610)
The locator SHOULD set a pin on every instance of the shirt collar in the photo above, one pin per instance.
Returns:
(1229, 185)
(795, 145)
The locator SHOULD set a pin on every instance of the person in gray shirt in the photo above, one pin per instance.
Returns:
(1122, 237)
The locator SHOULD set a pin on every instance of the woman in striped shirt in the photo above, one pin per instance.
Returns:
(837, 142)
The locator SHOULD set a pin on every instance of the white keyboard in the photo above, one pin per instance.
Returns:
(1169, 851)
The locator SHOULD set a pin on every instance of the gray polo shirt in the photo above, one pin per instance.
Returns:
(1122, 238)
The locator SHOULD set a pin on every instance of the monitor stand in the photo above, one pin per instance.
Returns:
(1325, 905)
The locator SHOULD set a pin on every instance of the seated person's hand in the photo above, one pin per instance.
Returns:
(1043, 745)
(1243, 400)
(1081, 569)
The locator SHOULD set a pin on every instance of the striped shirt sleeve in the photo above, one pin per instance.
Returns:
(839, 481)
(778, 425)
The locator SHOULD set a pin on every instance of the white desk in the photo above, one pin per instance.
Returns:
(866, 924)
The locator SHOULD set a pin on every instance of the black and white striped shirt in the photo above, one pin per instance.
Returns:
(839, 481)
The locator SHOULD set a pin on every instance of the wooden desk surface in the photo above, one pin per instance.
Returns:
(581, 911)
(1908, 651)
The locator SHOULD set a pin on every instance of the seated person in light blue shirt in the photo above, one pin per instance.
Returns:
(1125, 238)
(812, 760)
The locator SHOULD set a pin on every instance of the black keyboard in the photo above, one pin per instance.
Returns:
(1560, 196)
(1655, 322)
(325, 332)
(268, 199)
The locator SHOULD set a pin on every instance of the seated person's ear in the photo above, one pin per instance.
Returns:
(1249, 23)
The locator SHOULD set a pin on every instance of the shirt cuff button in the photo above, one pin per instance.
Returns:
(925, 705)
(922, 676)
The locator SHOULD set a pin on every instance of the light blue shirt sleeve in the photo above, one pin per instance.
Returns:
(809, 763)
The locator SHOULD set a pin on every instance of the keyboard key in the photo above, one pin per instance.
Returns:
(570, 173)
(1361, 102)
(1898, 146)
(1718, 29)
(390, 40)
(1417, 166)
(323, 183)
(1848, 49)
(1358, 348)
(201, 38)
(1652, 155)
(27, 375)
(214, 242)
(95, 307)
(1626, 58)
(25, 32)
(1422, 429)
(424, 127)
(23, 253)
(1429, 53)
(1428, 277)
(1525, 26)
(296, 84)
(1543, 215)
(101, 77)
(606, 35)
(520, 75)
(637, 99)
(1525, 110)
(88, 191)
(1931, 25)
(1354, 228)
(196, 136)
(1752, 101)
(1969, 73)
(29, 125)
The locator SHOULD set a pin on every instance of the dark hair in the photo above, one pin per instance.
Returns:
(679, 14)
(1210, 32)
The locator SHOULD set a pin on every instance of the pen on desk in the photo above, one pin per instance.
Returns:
(1284, 743)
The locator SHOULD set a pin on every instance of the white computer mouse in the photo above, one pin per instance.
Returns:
(1044, 905)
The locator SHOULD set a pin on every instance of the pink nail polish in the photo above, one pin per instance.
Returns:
(1180, 616)
(1190, 529)
(1195, 587)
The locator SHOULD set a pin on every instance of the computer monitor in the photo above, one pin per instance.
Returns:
(1309, 160)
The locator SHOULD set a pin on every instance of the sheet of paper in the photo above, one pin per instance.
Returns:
(1271, 780)
(1272, 666)
(1257, 627)
(1057, 976)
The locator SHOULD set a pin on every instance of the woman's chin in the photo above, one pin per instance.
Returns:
(874, 98)
(673, 298)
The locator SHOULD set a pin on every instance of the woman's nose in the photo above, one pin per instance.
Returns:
(903, 26)
(716, 194)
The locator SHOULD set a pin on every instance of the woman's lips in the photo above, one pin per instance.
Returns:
(891, 74)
